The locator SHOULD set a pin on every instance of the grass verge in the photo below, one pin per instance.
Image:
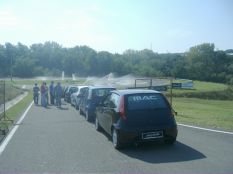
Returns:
(208, 113)
(202, 87)
(14, 112)
(11, 91)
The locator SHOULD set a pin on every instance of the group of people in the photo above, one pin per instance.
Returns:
(53, 92)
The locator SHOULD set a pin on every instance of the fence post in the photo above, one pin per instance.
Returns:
(4, 100)
(171, 81)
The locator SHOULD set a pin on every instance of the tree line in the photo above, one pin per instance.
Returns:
(201, 62)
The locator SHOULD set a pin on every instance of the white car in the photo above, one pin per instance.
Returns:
(75, 97)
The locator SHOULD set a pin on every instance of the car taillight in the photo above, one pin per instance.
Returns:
(122, 108)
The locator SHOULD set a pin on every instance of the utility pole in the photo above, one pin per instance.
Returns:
(4, 100)
(11, 68)
(171, 81)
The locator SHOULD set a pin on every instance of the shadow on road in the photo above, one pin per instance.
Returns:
(161, 153)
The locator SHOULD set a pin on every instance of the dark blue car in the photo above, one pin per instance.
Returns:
(136, 116)
(91, 98)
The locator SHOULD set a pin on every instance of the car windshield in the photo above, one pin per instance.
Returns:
(73, 89)
(146, 101)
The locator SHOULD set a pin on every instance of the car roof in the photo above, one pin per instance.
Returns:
(101, 87)
(72, 86)
(135, 91)
(82, 86)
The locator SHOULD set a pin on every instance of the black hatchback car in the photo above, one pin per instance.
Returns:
(136, 116)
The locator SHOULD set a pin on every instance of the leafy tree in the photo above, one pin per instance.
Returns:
(201, 62)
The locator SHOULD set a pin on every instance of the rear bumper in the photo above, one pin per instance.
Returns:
(127, 135)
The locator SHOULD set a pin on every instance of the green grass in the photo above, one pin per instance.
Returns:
(11, 91)
(205, 90)
(14, 112)
(208, 113)
(209, 86)
(202, 87)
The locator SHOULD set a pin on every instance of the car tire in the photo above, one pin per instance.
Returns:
(170, 141)
(97, 125)
(115, 139)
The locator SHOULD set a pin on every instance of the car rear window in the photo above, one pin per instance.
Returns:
(146, 101)
(101, 92)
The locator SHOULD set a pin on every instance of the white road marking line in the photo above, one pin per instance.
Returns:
(12, 132)
(201, 128)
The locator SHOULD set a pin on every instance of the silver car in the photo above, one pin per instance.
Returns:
(75, 97)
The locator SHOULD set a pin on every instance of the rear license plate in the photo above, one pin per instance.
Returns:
(152, 135)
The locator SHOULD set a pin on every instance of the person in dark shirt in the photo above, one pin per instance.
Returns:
(58, 94)
(51, 93)
(36, 90)
(43, 94)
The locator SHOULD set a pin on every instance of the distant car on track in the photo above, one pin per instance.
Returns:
(136, 116)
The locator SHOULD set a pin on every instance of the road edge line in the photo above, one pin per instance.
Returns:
(206, 129)
(13, 130)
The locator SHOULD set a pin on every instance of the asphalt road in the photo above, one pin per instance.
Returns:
(61, 141)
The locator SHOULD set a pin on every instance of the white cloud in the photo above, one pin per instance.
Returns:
(8, 19)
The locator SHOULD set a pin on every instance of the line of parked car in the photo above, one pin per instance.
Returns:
(130, 115)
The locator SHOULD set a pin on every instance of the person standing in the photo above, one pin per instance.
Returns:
(36, 94)
(58, 94)
(51, 93)
(46, 95)
(42, 92)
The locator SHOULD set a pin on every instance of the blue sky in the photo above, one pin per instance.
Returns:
(117, 25)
